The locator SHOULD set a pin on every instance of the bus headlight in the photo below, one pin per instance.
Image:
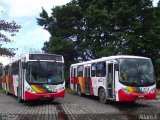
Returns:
(29, 90)
(126, 91)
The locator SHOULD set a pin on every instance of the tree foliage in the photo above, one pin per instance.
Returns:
(12, 28)
(103, 28)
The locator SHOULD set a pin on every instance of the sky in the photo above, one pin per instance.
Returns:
(24, 13)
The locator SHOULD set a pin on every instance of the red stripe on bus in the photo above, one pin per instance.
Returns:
(77, 82)
(71, 80)
(35, 96)
(83, 88)
(91, 87)
(133, 97)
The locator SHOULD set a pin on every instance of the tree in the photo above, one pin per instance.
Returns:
(60, 43)
(12, 28)
(156, 37)
(105, 27)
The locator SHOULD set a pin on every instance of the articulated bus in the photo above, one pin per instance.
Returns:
(117, 78)
(34, 77)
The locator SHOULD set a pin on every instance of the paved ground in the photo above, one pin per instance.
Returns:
(74, 107)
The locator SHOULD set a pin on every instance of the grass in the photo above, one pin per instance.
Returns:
(68, 90)
(2, 91)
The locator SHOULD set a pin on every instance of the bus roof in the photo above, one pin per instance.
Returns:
(26, 56)
(108, 58)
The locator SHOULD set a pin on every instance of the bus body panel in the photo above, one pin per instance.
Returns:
(15, 84)
(44, 91)
(94, 83)
(117, 91)
(136, 93)
(15, 80)
(34, 96)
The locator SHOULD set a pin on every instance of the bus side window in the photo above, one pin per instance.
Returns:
(101, 69)
(80, 71)
(93, 70)
(15, 67)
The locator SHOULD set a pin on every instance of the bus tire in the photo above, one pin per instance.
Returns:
(102, 96)
(79, 92)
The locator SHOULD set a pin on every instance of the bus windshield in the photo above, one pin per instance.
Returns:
(45, 72)
(136, 72)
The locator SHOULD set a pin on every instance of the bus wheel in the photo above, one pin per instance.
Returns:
(79, 90)
(102, 96)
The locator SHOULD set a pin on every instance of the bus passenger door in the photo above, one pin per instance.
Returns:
(20, 90)
(87, 79)
(74, 78)
(110, 80)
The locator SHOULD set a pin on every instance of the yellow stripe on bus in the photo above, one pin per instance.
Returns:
(7, 83)
(80, 81)
(36, 89)
(129, 89)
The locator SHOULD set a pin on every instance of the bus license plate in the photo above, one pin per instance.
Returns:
(141, 97)
(47, 96)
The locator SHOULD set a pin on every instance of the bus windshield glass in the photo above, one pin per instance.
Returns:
(45, 72)
(136, 72)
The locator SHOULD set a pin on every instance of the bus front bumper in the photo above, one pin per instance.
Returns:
(133, 97)
(36, 96)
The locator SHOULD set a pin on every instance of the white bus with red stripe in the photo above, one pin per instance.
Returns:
(34, 77)
(118, 78)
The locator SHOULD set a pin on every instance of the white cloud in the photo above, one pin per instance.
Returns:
(24, 13)
(155, 2)
(38, 33)
(21, 8)
(36, 36)
(4, 60)
(33, 39)
(1, 9)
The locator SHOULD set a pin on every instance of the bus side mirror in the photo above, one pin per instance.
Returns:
(116, 67)
(24, 65)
